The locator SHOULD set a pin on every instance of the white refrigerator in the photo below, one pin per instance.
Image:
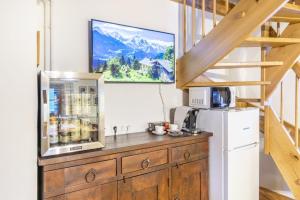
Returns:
(233, 154)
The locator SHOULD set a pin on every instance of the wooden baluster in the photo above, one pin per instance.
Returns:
(278, 29)
(265, 32)
(281, 103)
(296, 114)
(215, 13)
(194, 22)
(227, 6)
(203, 18)
(184, 26)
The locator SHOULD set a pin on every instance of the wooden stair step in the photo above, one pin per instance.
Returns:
(289, 13)
(282, 18)
(257, 105)
(248, 100)
(237, 83)
(266, 194)
(269, 42)
(227, 65)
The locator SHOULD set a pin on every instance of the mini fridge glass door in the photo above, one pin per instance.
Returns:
(71, 112)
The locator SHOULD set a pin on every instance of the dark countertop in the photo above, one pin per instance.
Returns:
(122, 143)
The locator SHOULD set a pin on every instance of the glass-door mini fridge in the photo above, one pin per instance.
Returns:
(71, 112)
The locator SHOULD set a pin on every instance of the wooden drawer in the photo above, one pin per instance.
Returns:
(100, 192)
(144, 161)
(190, 152)
(57, 181)
(90, 173)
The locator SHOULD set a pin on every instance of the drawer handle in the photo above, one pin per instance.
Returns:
(146, 163)
(187, 155)
(90, 176)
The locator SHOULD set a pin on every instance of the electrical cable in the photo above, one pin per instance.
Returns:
(162, 101)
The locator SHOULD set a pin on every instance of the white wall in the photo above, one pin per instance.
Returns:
(18, 102)
(126, 104)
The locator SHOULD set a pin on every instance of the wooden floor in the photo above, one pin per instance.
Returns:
(265, 194)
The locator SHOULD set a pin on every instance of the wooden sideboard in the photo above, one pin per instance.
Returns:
(138, 166)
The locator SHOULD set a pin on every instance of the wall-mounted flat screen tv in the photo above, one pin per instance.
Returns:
(129, 54)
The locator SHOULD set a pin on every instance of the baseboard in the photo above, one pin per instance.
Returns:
(265, 194)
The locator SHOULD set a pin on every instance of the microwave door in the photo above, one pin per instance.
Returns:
(226, 97)
(216, 98)
(220, 97)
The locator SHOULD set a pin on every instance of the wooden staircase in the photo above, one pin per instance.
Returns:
(280, 52)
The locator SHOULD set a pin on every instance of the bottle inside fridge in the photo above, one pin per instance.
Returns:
(73, 111)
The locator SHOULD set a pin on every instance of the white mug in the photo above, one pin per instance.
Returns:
(159, 129)
(173, 127)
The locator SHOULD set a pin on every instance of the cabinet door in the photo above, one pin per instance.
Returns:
(190, 181)
(101, 192)
(152, 186)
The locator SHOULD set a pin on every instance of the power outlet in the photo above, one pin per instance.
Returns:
(121, 129)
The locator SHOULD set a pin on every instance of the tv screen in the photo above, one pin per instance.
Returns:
(128, 54)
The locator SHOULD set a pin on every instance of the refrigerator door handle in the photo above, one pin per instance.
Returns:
(248, 146)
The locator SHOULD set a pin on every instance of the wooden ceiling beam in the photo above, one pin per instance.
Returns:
(235, 27)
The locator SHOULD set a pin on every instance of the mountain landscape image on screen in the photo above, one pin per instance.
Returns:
(127, 54)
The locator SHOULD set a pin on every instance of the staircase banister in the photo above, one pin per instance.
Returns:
(226, 36)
